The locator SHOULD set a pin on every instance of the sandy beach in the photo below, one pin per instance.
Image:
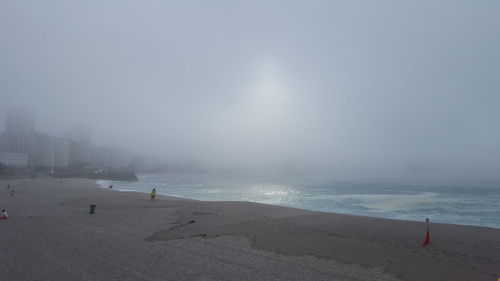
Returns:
(51, 236)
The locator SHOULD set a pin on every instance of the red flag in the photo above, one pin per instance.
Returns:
(427, 239)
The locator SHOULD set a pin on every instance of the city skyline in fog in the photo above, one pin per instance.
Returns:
(337, 87)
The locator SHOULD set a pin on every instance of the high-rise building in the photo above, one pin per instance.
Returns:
(43, 151)
(61, 152)
(19, 134)
(11, 159)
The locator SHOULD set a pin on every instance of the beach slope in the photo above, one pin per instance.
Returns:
(52, 236)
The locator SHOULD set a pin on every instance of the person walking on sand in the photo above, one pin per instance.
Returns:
(153, 194)
(12, 191)
(4, 215)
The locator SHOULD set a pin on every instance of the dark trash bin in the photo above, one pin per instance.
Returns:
(92, 209)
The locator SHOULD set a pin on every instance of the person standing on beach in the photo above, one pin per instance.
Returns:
(12, 191)
(153, 194)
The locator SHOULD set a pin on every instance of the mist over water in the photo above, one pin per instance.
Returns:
(323, 88)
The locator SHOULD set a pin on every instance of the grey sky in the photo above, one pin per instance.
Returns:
(365, 86)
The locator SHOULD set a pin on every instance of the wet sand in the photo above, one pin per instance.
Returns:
(52, 236)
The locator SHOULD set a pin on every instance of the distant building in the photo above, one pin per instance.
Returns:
(23, 145)
(11, 159)
(19, 134)
(43, 152)
(80, 145)
(62, 155)
(17, 143)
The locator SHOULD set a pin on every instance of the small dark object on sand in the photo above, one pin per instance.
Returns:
(92, 209)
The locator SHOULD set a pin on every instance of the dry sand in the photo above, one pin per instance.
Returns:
(51, 236)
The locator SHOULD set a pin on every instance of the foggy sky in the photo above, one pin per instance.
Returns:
(333, 86)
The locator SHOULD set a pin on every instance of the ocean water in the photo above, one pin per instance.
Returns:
(457, 202)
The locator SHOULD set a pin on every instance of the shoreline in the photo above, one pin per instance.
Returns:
(305, 209)
(302, 209)
(128, 232)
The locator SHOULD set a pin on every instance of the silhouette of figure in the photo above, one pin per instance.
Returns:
(153, 194)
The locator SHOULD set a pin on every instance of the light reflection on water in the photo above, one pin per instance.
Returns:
(474, 203)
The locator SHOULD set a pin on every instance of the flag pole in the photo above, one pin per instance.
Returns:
(427, 235)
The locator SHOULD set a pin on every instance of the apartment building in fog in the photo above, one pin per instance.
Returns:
(41, 149)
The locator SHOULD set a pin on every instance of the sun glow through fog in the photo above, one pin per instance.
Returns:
(270, 97)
